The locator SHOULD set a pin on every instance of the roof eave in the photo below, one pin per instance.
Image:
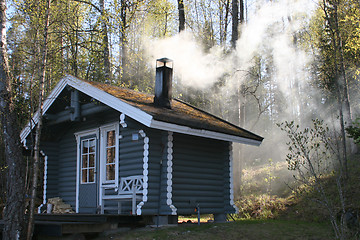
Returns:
(92, 91)
(128, 110)
(202, 133)
(46, 105)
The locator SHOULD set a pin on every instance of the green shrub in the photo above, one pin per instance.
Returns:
(354, 131)
(260, 207)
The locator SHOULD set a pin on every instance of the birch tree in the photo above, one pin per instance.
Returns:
(36, 164)
(14, 209)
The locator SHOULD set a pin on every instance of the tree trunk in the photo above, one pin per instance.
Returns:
(106, 51)
(242, 12)
(39, 125)
(347, 110)
(14, 211)
(345, 84)
(123, 42)
(331, 14)
(235, 23)
(181, 15)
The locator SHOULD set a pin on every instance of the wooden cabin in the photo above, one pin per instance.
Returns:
(110, 150)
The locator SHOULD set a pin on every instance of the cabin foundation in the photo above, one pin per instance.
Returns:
(164, 220)
(220, 218)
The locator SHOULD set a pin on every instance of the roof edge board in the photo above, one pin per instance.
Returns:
(46, 105)
(133, 112)
(218, 118)
(92, 91)
(110, 100)
(202, 133)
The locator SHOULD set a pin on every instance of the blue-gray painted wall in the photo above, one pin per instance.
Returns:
(200, 167)
(201, 175)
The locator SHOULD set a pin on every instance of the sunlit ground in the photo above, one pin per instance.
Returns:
(194, 219)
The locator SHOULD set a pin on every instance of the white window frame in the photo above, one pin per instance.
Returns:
(81, 160)
(103, 130)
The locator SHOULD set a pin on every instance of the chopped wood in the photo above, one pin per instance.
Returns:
(59, 206)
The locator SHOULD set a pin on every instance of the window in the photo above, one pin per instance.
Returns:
(88, 154)
(110, 153)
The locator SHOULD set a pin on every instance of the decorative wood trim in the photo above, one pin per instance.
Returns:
(93, 131)
(122, 120)
(145, 172)
(45, 181)
(231, 172)
(169, 173)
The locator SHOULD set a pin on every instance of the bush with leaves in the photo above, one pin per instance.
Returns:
(312, 152)
(262, 206)
(354, 131)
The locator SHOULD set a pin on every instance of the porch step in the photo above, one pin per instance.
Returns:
(60, 224)
(55, 228)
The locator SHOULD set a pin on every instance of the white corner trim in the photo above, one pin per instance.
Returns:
(145, 172)
(44, 182)
(201, 132)
(169, 173)
(77, 173)
(231, 173)
(122, 120)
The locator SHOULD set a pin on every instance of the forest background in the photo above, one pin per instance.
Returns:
(254, 63)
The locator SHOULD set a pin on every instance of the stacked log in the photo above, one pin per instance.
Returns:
(58, 206)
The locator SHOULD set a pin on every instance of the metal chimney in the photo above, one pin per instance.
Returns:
(163, 83)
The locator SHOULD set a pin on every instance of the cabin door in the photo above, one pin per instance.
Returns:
(88, 177)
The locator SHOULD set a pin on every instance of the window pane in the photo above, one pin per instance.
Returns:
(84, 161)
(91, 160)
(85, 146)
(84, 176)
(111, 138)
(92, 144)
(91, 175)
(110, 172)
(110, 155)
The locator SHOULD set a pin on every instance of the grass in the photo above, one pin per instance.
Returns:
(242, 229)
(264, 215)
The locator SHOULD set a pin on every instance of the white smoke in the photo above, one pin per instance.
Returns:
(271, 26)
(195, 67)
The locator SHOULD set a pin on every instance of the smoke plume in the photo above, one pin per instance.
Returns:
(273, 30)
(272, 27)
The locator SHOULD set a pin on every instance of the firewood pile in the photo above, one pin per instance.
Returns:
(58, 206)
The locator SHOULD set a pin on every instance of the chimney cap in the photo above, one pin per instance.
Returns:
(164, 62)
